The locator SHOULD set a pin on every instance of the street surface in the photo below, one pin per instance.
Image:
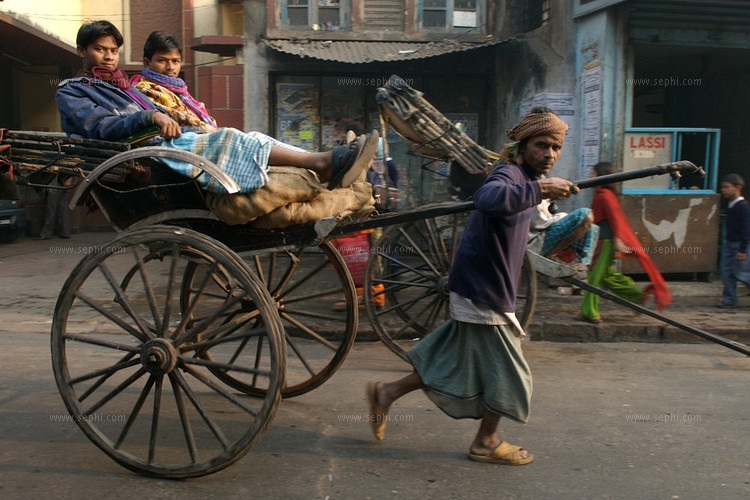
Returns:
(609, 420)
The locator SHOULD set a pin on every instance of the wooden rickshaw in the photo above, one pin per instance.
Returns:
(174, 342)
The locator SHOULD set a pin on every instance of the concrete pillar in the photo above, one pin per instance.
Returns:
(255, 52)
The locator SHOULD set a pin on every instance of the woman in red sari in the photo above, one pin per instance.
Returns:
(616, 236)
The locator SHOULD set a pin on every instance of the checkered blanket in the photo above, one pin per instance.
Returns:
(244, 157)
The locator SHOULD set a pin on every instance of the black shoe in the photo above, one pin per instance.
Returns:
(64, 237)
(726, 306)
(39, 238)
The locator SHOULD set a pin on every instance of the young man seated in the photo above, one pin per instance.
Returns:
(99, 104)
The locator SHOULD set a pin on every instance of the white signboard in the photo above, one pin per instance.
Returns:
(591, 86)
(645, 149)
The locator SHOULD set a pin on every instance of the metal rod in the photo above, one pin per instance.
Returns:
(665, 168)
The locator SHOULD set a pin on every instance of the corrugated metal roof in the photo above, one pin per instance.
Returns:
(366, 52)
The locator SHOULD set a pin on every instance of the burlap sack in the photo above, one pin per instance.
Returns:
(285, 185)
(326, 204)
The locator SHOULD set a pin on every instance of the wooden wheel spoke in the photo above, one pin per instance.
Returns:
(123, 301)
(231, 336)
(107, 372)
(195, 299)
(148, 288)
(114, 392)
(419, 252)
(310, 314)
(321, 293)
(86, 339)
(218, 389)
(288, 273)
(215, 430)
(408, 267)
(113, 318)
(308, 331)
(184, 420)
(135, 412)
(299, 354)
(104, 378)
(310, 274)
(155, 418)
(224, 330)
(170, 285)
(437, 307)
(412, 320)
(403, 285)
(409, 303)
(206, 322)
(436, 244)
(223, 366)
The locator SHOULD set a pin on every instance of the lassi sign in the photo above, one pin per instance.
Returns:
(645, 149)
(651, 142)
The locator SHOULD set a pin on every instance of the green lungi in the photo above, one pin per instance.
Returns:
(469, 368)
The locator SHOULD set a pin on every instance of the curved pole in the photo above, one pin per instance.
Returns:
(154, 152)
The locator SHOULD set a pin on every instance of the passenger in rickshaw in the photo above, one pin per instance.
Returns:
(99, 104)
(570, 237)
(473, 365)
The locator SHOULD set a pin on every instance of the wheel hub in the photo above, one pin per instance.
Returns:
(159, 356)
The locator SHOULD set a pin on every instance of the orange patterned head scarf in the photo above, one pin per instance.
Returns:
(540, 121)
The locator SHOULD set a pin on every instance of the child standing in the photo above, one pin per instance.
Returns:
(734, 262)
(617, 236)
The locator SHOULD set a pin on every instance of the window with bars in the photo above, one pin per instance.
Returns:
(326, 14)
(535, 14)
(452, 15)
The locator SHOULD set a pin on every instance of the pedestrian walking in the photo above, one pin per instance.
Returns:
(616, 236)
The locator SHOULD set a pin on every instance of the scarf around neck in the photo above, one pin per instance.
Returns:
(179, 87)
(116, 77)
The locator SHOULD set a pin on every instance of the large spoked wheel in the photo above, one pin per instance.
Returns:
(139, 375)
(317, 302)
(410, 266)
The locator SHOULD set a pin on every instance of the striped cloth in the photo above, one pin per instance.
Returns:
(242, 156)
(583, 247)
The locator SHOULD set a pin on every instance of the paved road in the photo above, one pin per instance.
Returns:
(589, 432)
(609, 420)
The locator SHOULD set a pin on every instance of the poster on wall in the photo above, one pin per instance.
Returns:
(560, 103)
(298, 121)
(591, 80)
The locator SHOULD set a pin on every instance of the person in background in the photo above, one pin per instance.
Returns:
(735, 266)
(617, 236)
(56, 211)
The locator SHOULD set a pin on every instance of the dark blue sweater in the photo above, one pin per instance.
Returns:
(488, 260)
(738, 224)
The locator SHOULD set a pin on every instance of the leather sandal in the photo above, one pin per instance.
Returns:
(350, 161)
(504, 454)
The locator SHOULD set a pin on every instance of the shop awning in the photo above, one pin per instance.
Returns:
(355, 52)
(24, 44)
